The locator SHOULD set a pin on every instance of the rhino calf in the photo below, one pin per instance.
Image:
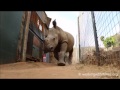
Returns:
(59, 42)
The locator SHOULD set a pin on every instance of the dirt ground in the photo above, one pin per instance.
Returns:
(41, 70)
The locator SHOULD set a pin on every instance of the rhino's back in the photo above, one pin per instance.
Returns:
(65, 36)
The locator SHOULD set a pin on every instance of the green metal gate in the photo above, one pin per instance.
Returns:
(35, 52)
(10, 23)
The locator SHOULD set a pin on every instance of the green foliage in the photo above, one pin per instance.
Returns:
(109, 41)
(102, 38)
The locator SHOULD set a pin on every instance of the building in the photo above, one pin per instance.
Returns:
(22, 34)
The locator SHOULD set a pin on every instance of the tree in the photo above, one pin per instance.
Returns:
(108, 42)
(102, 38)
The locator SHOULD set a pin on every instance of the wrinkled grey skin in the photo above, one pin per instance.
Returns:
(61, 43)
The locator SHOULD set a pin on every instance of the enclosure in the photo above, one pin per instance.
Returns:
(100, 37)
(22, 35)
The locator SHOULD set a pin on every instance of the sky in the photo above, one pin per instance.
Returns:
(67, 20)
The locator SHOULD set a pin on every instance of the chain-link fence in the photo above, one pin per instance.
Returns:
(108, 36)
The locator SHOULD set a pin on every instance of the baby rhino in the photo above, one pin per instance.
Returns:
(59, 42)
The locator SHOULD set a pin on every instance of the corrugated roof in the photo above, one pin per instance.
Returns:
(43, 16)
(40, 14)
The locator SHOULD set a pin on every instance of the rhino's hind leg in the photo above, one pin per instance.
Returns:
(66, 59)
(56, 55)
(70, 56)
(62, 52)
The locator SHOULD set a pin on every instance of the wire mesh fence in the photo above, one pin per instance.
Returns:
(108, 35)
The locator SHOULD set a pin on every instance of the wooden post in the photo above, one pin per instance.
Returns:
(25, 38)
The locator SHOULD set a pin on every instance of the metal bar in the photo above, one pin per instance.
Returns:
(79, 39)
(95, 36)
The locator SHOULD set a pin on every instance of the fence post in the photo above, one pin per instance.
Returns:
(95, 36)
(26, 36)
(79, 39)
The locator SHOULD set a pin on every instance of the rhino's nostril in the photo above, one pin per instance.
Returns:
(51, 48)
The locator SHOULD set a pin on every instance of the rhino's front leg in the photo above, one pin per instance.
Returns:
(61, 56)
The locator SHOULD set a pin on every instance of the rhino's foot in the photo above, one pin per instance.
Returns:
(61, 63)
(69, 62)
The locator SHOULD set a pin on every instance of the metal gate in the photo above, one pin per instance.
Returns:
(29, 44)
(10, 23)
(34, 44)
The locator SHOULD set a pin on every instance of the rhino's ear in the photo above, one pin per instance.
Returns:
(54, 23)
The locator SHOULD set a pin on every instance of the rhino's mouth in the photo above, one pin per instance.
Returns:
(52, 49)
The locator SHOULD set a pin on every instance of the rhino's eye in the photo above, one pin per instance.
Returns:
(53, 38)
